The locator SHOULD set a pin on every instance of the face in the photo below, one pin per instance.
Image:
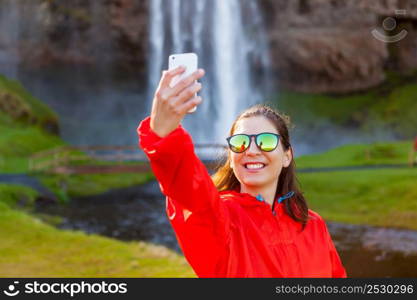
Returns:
(271, 163)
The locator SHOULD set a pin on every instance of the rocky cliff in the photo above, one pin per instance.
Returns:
(328, 46)
(316, 45)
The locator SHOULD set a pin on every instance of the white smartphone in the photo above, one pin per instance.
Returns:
(189, 61)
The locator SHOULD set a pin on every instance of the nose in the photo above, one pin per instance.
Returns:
(253, 149)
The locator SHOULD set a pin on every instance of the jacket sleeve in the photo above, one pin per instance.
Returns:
(338, 270)
(193, 205)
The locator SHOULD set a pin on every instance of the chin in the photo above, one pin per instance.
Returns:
(253, 183)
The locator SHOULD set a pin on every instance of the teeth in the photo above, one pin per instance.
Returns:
(254, 166)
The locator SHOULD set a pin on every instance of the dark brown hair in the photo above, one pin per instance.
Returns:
(225, 179)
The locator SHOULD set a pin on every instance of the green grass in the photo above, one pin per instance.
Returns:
(359, 155)
(68, 186)
(340, 110)
(13, 195)
(18, 143)
(24, 141)
(6, 120)
(386, 197)
(31, 248)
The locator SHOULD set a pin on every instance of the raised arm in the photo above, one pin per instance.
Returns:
(181, 174)
(169, 147)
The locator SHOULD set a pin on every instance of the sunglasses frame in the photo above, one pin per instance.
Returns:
(250, 141)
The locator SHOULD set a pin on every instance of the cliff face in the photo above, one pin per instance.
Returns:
(316, 45)
(327, 45)
(110, 34)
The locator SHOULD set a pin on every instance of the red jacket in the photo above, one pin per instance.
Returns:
(232, 234)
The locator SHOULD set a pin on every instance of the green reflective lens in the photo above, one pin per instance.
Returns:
(239, 143)
(267, 141)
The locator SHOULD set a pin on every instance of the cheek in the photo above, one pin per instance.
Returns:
(233, 161)
(277, 161)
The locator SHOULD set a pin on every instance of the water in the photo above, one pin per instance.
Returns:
(138, 213)
(135, 213)
(368, 251)
(17, 20)
(9, 38)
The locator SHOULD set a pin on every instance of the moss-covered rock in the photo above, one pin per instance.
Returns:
(17, 104)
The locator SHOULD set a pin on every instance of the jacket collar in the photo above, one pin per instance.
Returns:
(249, 200)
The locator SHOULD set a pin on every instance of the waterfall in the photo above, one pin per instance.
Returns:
(19, 20)
(8, 52)
(229, 39)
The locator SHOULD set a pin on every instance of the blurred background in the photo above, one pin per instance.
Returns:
(77, 77)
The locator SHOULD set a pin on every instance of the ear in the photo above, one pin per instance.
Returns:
(287, 158)
(230, 160)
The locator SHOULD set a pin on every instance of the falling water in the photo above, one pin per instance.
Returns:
(229, 39)
(8, 53)
(17, 20)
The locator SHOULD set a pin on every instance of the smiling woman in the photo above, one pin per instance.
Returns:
(250, 220)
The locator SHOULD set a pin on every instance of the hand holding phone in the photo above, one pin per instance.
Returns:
(175, 96)
(187, 60)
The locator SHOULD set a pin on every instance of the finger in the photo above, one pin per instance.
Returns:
(167, 75)
(185, 107)
(167, 92)
(187, 81)
(187, 94)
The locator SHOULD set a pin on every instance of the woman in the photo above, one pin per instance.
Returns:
(250, 220)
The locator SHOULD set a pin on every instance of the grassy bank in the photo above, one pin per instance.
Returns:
(389, 107)
(386, 197)
(31, 248)
(69, 186)
(395, 153)
(17, 105)
(18, 142)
